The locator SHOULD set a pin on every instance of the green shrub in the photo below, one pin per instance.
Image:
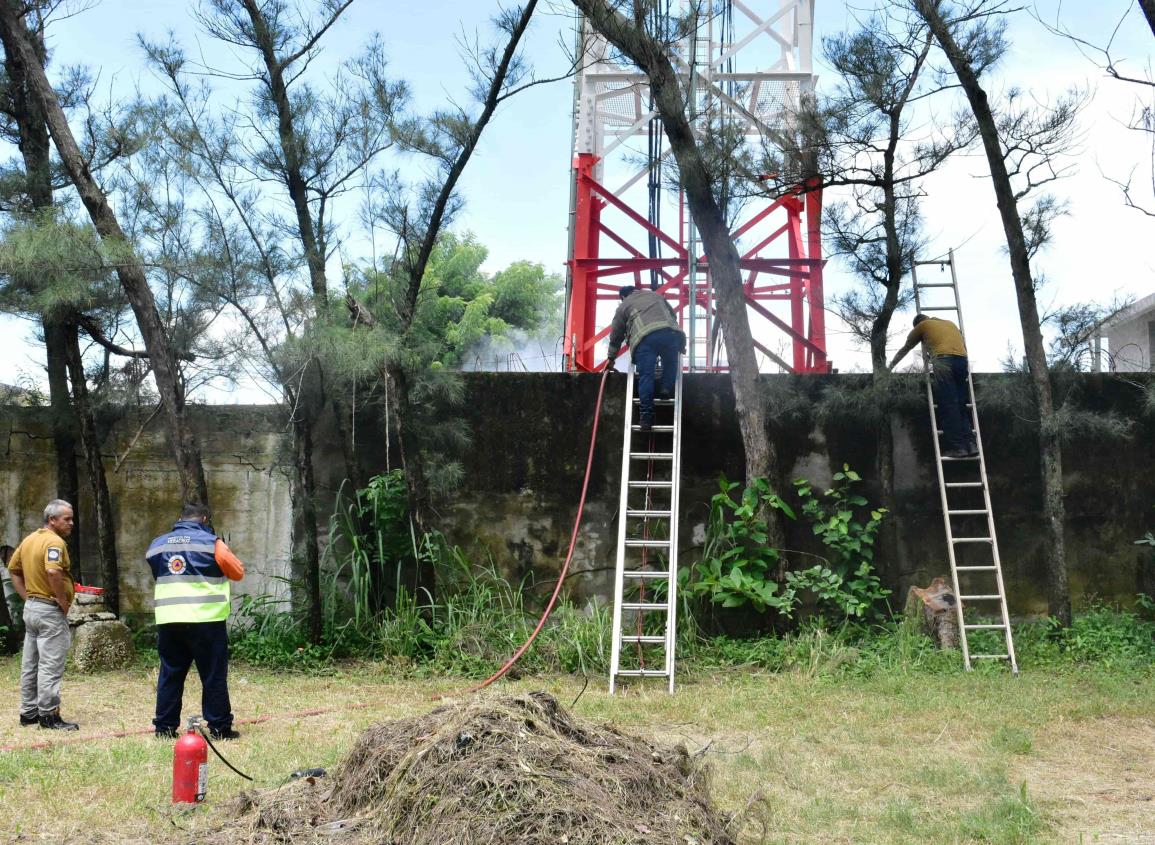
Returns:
(739, 569)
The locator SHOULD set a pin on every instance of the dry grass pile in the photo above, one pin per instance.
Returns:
(493, 770)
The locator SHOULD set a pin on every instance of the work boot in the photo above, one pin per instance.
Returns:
(647, 423)
(664, 394)
(224, 733)
(956, 453)
(53, 722)
(972, 448)
(165, 733)
(26, 721)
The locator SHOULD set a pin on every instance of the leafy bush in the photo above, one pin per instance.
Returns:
(738, 568)
(848, 585)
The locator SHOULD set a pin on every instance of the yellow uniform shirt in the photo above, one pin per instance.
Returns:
(940, 337)
(40, 551)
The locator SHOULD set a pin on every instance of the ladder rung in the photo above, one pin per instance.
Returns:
(659, 485)
(966, 513)
(940, 308)
(964, 484)
(657, 429)
(935, 285)
(647, 544)
(657, 401)
(644, 639)
(980, 598)
(650, 574)
(643, 605)
(972, 539)
(644, 673)
(967, 458)
(975, 568)
(652, 456)
(646, 513)
(985, 627)
(990, 657)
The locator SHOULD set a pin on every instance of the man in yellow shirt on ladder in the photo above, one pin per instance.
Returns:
(944, 342)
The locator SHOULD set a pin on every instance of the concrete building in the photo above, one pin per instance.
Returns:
(1130, 336)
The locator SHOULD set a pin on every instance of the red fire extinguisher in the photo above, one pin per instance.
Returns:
(190, 765)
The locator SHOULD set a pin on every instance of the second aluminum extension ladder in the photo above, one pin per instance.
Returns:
(973, 547)
(646, 571)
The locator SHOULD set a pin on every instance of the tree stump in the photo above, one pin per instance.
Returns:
(932, 609)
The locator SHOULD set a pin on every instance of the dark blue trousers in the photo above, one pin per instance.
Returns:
(951, 396)
(180, 645)
(664, 345)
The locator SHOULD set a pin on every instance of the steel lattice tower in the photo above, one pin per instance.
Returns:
(748, 66)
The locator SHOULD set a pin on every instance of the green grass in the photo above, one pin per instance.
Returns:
(902, 755)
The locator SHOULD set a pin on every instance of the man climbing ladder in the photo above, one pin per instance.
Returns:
(655, 339)
(950, 373)
(968, 517)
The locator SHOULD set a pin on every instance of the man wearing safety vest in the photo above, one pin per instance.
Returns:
(192, 568)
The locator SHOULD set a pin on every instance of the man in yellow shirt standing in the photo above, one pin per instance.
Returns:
(944, 342)
(40, 571)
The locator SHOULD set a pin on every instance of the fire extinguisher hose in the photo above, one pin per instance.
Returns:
(205, 734)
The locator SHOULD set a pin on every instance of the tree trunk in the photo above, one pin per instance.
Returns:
(413, 464)
(63, 424)
(19, 46)
(879, 330)
(721, 253)
(292, 150)
(1050, 449)
(35, 151)
(98, 481)
(305, 547)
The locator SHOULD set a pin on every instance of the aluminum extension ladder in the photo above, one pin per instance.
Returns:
(972, 578)
(646, 571)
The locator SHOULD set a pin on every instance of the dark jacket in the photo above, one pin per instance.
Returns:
(639, 314)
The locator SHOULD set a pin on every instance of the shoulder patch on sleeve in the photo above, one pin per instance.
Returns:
(54, 553)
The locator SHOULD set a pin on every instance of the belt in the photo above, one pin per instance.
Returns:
(52, 602)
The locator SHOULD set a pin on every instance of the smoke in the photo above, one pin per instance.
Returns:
(519, 352)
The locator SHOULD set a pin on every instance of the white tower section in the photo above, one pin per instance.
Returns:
(747, 67)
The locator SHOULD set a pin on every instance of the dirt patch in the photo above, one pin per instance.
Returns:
(1097, 778)
(502, 770)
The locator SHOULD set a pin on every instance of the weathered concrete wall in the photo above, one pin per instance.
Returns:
(528, 450)
(243, 448)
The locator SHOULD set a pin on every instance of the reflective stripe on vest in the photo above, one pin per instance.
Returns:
(190, 586)
(191, 599)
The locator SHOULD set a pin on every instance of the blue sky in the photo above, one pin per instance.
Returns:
(517, 187)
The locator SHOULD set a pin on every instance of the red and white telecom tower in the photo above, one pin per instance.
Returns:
(747, 65)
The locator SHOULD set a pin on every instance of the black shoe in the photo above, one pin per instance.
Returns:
(956, 453)
(972, 448)
(53, 722)
(165, 733)
(227, 733)
(647, 423)
(26, 721)
(664, 394)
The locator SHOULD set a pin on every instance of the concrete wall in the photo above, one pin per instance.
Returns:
(243, 450)
(524, 465)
